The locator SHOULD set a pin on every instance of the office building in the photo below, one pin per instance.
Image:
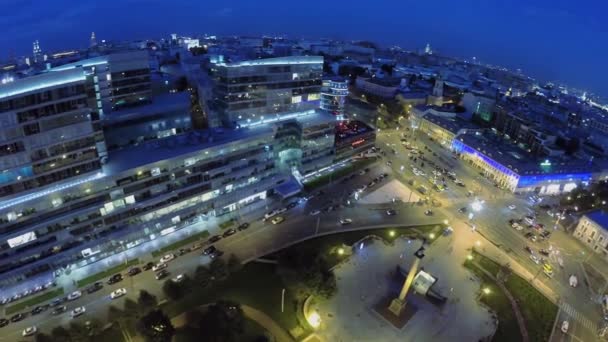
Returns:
(592, 230)
(254, 91)
(333, 96)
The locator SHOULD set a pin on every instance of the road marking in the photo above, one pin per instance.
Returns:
(584, 321)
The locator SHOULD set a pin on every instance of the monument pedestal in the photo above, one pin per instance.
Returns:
(396, 307)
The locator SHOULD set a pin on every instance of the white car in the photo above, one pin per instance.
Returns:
(565, 326)
(315, 212)
(78, 311)
(512, 207)
(573, 280)
(534, 258)
(270, 214)
(346, 221)
(29, 331)
(529, 220)
(165, 259)
(159, 267)
(178, 279)
(118, 293)
(74, 295)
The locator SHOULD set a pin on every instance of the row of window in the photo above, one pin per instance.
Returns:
(41, 97)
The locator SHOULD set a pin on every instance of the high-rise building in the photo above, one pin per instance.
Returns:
(93, 41)
(254, 91)
(37, 52)
(333, 96)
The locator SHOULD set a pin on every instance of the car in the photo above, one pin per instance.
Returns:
(29, 331)
(391, 212)
(277, 219)
(462, 210)
(78, 311)
(178, 279)
(243, 226)
(17, 317)
(161, 274)
(59, 310)
(159, 266)
(183, 251)
(209, 250)
(3, 322)
(134, 271)
(534, 258)
(512, 207)
(115, 279)
(270, 214)
(447, 231)
(74, 295)
(148, 266)
(545, 234)
(196, 246)
(39, 309)
(314, 212)
(428, 212)
(544, 252)
(573, 280)
(529, 220)
(216, 254)
(95, 287)
(291, 205)
(215, 238)
(118, 293)
(56, 302)
(565, 326)
(346, 221)
(166, 258)
(529, 250)
(229, 232)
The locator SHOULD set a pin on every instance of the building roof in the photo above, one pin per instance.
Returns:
(453, 125)
(38, 82)
(600, 217)
(160, 104)
(277, 61)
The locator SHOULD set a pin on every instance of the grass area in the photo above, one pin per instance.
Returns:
(107, 273)
(191, 239)
(328, 245)
(256, 285)
(335, 175)
(32, 302)
(596, 280)
(497, 301)
(227, 224)
(252, 332)
(537, 309)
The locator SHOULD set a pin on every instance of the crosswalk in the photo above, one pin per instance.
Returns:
(584, 321)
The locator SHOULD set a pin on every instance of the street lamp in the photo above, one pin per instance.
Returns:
(478, 243)
(486, 290)
(469, 257)
(446, 222)
(432, 236)
(340, 251)
(391, 233)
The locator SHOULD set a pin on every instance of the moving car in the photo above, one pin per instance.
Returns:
(29, 331)
(134, 271)
(161, 274)
(78, 311)
(3, 322)
(314, 212)
(391, 212)
(346, 221)
(178, 279)
(39, 309)
(166, 258)
(95, 287)
(543, 252)
(118, 293)
(529, 250)
(534, 258)
(159, 267)
(215, 238)
(565, 326)
(270, 214)
(148, 266)
(209, 250)
(59, 310)
(216, 254)
(115, 279)
(229, 232)
(512, 207)
(18, 317)
(277, 219)
(74, 295)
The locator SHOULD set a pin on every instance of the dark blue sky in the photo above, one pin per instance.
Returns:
(563, 40)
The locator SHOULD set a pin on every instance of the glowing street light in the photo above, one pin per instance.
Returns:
(446, 222)
(391, 233)
(486, 290)
(432, 236)
(469, 257)
(340, 251)
(314, 319)
(478, 243)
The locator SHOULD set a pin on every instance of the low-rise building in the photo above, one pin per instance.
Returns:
(592, 230)
(353, 137)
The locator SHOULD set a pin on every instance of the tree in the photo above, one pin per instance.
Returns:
(131, 309)
(78, 332)
(234, 264)
(42, 337)
(388, 69)
(173, 290)
(114, 314)
(202, 275)
(60, 334)
(223, 321)
(306, 274)
(218, 268)
(146, 301)
(94, 326)
(155, 326)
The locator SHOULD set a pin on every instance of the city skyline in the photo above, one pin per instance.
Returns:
(539, 42)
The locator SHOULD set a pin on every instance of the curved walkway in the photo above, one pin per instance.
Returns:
(253, 314)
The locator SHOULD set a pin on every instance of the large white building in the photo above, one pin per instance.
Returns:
(592, 230)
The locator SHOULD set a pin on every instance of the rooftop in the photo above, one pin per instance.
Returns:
(38, 82)
(453, 125)
(161, 104)
(600, 217)
(277, 61)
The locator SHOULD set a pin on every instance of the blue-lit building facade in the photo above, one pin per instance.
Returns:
(511, 171)
(333, 96)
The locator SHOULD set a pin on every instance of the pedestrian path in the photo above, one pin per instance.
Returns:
(584, 321)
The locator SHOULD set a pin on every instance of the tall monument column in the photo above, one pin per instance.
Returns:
(398, 304)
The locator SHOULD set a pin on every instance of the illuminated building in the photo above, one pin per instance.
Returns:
(592, 230)
(37, 52)
(333, 96)
(251, 91)
(353, 137)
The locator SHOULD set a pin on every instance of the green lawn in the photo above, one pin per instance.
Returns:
(191, 239)
(227, 224)
(497, 301)
(32, 302)
(324, 179)
(107, 273)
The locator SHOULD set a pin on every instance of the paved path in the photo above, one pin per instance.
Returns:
(253, 314)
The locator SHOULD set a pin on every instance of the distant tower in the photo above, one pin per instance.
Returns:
(427, 49)
(37, 51)
(437, 97)
(93, 42)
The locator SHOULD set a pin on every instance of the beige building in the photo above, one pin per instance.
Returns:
(592, 230)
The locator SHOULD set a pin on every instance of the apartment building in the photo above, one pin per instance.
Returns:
(592, 230)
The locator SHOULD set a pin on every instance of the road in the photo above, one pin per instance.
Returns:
(259, 239)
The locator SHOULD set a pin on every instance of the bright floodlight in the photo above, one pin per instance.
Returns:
(391, 233)
(478, 243)
(340, 251)
(469, 257)
(486, 290)
(314, 319)
(432, 236)
(446, 222)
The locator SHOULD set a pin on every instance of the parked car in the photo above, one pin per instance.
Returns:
(243, 226)
(178, 279)
(118, 293)
(428, 212)
(391, 212)
(56, 302)
(161, 274)
(115, 279)
(534, 258)
(215, 238)
(59, 310)
(3, 322)
(78, 311)
(17, 317)
(346, 221)
(29, 331)
(209, 250)
(148, 266)
(277, 219)
(544, 252)
(134, 271)
(229, 232)
(74, 295)
(95, 287)
(39, 309)
(159, 266)
(565, 326)
(292, 205)
(196, 246)
(167, 257)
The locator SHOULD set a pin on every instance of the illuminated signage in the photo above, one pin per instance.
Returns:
(358, 142)
(21, 239)
(546, 163)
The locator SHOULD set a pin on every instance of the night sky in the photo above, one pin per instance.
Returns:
(561, 40)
